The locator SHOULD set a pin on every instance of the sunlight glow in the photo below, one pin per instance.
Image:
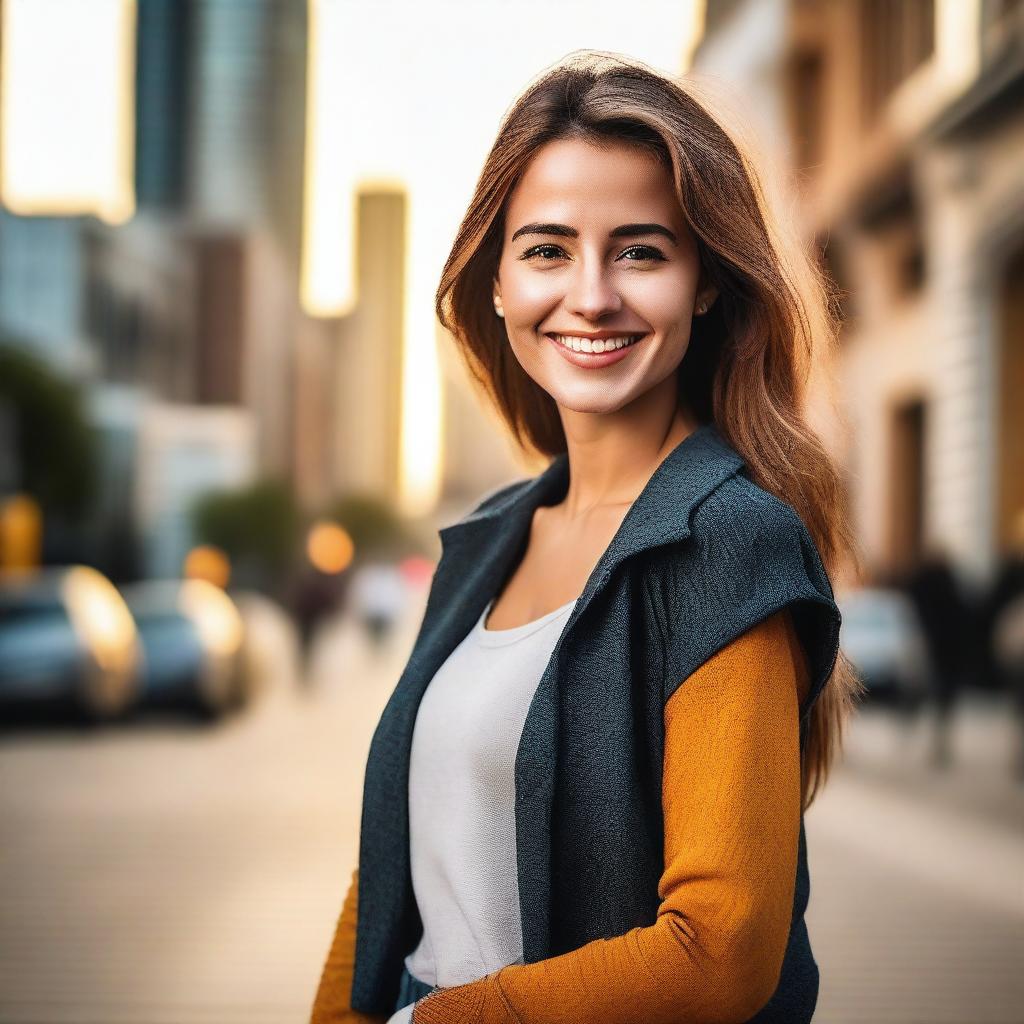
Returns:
(957, 43)
(328, 285)
(67, 107)
(414, 92)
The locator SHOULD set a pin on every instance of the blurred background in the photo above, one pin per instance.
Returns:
(230, 428)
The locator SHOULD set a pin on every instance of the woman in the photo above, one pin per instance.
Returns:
(595, 811)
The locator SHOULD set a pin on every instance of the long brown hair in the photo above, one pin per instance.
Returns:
(749, 358)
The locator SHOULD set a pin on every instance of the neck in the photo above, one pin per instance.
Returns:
(611, 458)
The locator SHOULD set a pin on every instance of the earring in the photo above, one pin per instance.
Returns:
(499, 310)
(702, 308)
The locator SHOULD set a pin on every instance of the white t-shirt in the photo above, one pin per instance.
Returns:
(462, 801)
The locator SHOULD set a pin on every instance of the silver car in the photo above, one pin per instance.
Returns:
(66, 635)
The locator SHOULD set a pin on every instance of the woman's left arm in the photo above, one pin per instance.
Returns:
(731, 801)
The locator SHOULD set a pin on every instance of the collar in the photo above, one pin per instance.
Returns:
(659, 515)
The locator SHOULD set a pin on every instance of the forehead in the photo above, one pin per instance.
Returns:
(570, 181)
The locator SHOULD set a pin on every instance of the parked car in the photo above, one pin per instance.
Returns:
(192, 639)
(67, 636)
(881, 634)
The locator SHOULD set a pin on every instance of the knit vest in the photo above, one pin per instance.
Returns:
(702, 555)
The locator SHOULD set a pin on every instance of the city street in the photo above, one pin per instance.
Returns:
(917, 881)
(167, 873)
(272, 281)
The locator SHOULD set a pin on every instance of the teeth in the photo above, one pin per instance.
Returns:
(600, 345)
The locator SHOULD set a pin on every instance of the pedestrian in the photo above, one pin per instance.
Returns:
(377, 597)
(946, 616)
(584, 799)
(1003, 631)
(313, 597)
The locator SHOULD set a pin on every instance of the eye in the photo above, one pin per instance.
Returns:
(538, 249)
(648, 252)
(549, 252)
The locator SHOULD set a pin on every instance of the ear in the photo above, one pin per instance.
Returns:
(706, 293)
(495, 289)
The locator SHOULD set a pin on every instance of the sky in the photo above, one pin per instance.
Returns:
(413, 93)
(401, 93)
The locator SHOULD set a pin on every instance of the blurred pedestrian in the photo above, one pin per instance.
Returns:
(947, 621)
(314, 596)
(378, 595)
(1004, 630)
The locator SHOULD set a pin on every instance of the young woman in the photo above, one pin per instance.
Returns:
(584, 800)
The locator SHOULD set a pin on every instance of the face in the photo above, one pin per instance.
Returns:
(597, 255)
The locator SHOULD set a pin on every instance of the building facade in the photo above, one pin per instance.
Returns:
(904, 137)
(180, 324)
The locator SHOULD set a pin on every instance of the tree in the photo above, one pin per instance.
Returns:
(55, 447)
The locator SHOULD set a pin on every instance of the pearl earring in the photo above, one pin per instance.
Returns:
(499, 310)
(702, 308)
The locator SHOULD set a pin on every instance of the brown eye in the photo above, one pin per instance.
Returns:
(648, 252)
(538, 249)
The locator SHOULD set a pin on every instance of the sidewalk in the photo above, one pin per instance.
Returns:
(978, 784)
(917, 876)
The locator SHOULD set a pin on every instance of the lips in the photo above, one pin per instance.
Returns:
(596, 360)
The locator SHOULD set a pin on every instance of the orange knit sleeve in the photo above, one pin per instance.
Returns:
(731, 800)
(331, 1005)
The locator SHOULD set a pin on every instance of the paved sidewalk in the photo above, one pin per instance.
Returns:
(979, 781)
(169, 874)
(917, 877)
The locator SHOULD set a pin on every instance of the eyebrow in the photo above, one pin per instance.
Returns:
(622, 231)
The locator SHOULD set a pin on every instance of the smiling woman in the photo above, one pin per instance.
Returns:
(641, 280)
(584, 800)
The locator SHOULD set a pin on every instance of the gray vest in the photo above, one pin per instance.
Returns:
(702, 555)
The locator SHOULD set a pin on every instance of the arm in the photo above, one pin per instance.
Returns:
(731, 800)
(331, 1005)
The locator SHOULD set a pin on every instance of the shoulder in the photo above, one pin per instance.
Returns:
(741, 514)
(741, 530)
(748, 555)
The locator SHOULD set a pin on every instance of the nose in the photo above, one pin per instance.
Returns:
(592, 293)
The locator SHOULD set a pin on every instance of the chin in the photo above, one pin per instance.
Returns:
(595, 405)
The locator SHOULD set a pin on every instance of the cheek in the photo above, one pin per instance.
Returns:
(528, 296)
(662, 299)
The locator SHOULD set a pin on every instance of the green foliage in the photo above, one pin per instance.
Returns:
(374, 526)
(256, 525)
(56, 448)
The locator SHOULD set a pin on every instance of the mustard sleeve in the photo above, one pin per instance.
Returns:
(331, 1005)
(731, 801)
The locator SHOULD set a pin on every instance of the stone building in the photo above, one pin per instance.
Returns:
(900, 127)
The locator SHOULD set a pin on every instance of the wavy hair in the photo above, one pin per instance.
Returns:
(750, 357)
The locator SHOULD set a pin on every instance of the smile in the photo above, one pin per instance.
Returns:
(600, 345)
(594, 353)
